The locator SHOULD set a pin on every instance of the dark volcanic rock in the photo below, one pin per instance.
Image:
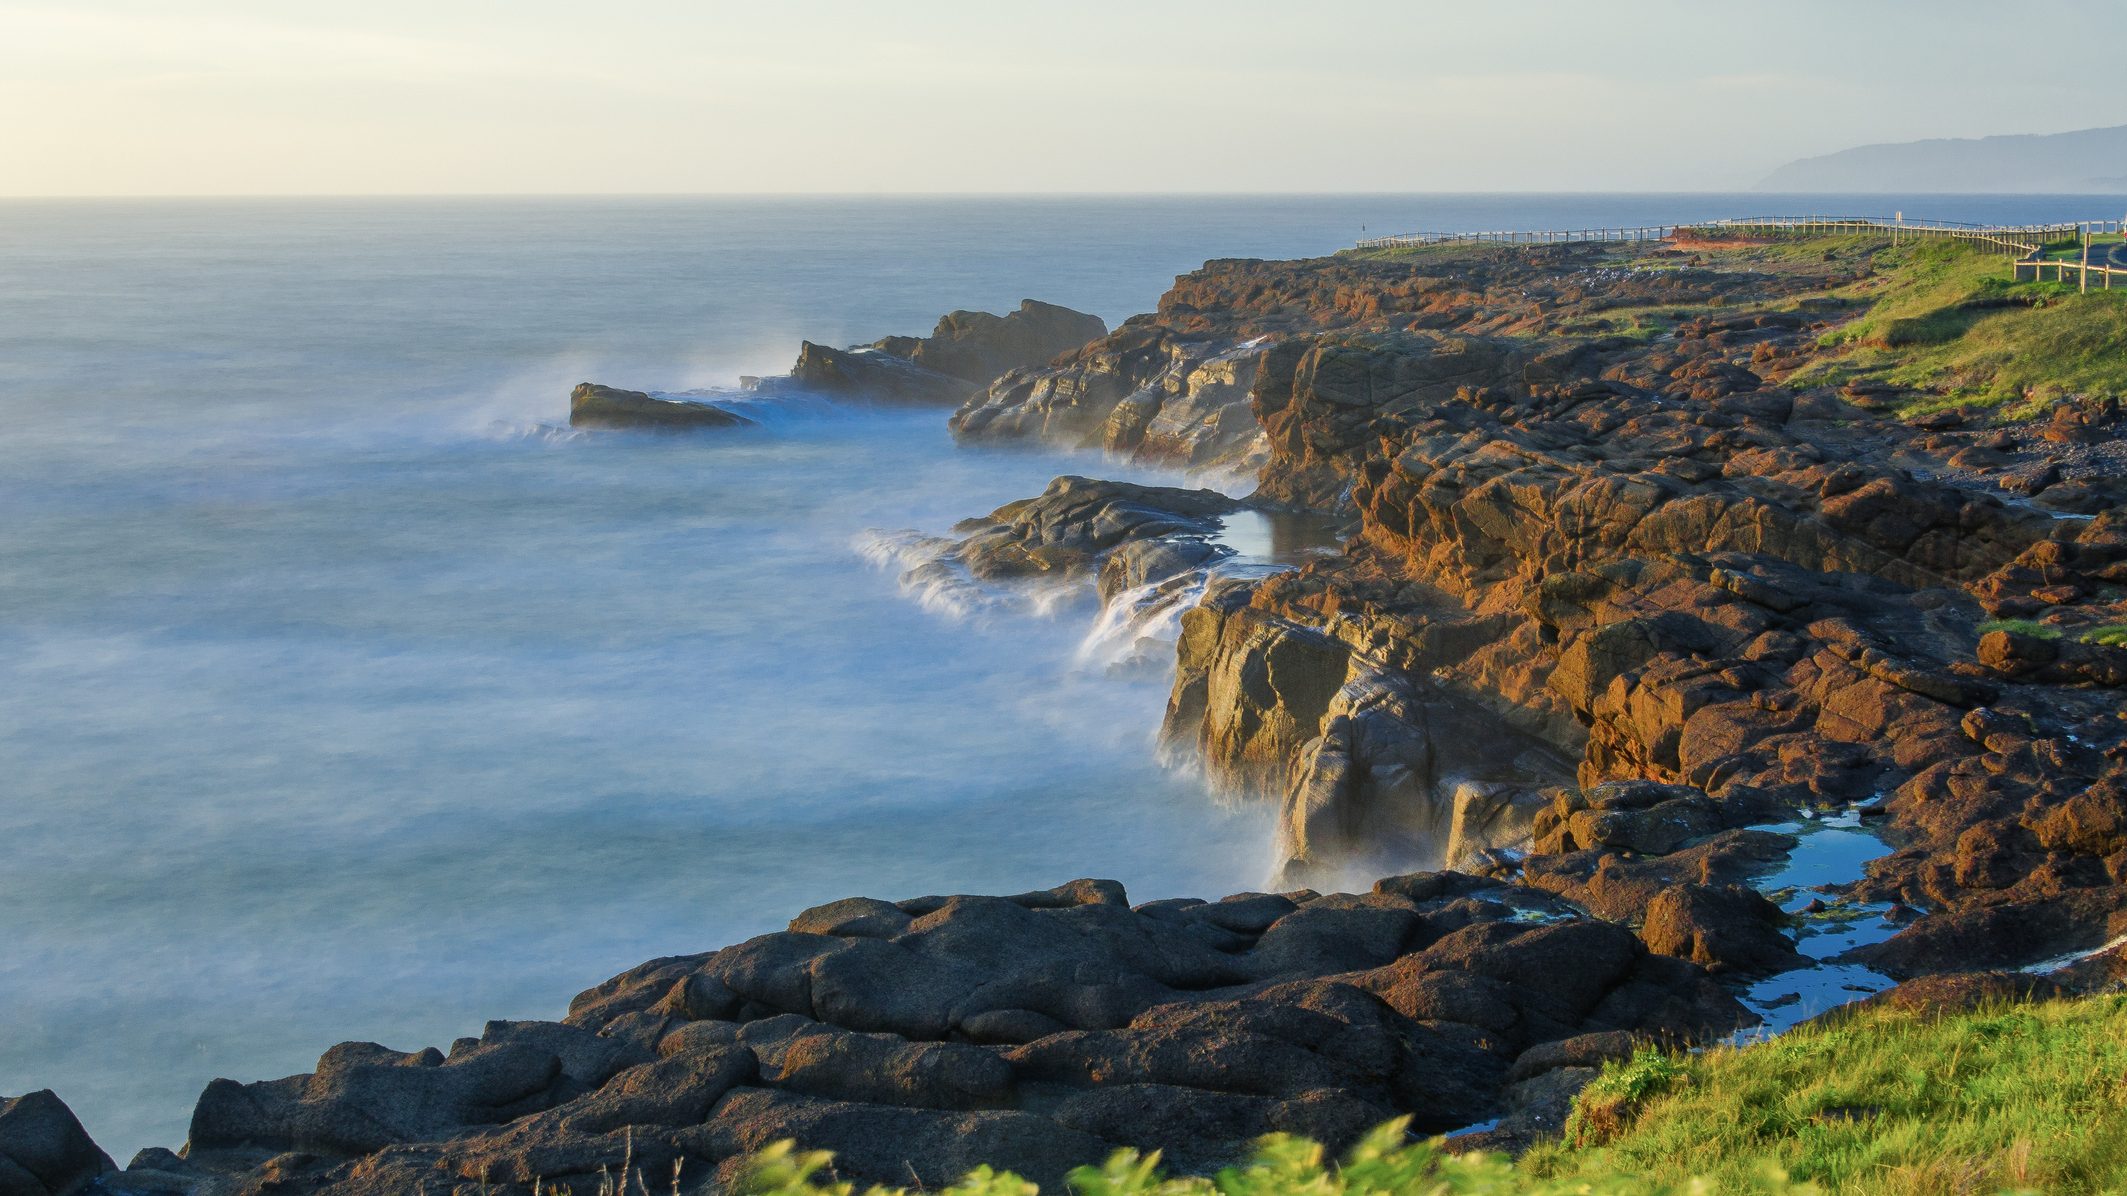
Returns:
(364, 1097)
(43, 1149)
(884, 1144)
(595, 406)
(1727, 929)
(1038, 1032)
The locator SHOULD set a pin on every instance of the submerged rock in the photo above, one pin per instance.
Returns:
(595, 406)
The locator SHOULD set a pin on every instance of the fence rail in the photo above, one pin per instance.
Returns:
(2085, 272)
(1651, 232)
(2027, 242)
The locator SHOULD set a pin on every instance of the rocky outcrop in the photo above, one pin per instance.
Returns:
(1374, 767)
(980, 348)
(1143, 393)
(967, 351)
(919, 1038)
(1071, 524)
(873, 375)
(43, 1149)
(1142, 546)
(595, 406)
(1653, 560)
(1175, 386)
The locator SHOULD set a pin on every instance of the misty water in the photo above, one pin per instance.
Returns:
(343, 695)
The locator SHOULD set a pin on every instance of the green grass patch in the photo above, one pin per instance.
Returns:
(2112, 635)
(1387, 1163)
(2021, 627)
(1616, 1095)
(1950, 320)
(2017, 1098)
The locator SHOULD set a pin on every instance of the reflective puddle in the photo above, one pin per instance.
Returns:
(1831, 852)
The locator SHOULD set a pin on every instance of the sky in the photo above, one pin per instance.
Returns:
(279, 97)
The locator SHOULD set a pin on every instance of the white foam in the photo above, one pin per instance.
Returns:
(2061, 962)
(1136, 622)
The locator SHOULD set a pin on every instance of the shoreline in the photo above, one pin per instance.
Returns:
(1613, 604)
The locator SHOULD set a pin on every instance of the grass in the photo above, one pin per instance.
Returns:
(1615, 1096)
(2023, 1098)
(1386, 1163)
(1945, 318)
(2110, 634)
(2021, 627)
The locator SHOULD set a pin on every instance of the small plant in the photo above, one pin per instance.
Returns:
(2021, 627)
(2112, 635)
(1610, 1101)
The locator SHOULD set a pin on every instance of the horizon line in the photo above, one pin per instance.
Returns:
(889, 195)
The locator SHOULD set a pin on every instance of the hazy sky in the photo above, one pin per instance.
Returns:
(128, 97)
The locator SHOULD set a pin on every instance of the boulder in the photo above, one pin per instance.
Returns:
(43, 1149)
(1728, 928)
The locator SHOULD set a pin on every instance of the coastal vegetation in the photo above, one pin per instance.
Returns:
(1949, 322)
(1940, 322)
(2004, 1098)
(2010, 1097)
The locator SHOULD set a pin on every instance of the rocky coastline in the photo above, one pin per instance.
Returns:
(1616, 616)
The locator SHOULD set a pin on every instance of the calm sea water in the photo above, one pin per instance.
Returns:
(342, 698)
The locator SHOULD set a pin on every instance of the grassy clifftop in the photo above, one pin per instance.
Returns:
(1940, 322)
(1949, 321)
(2016, 1098)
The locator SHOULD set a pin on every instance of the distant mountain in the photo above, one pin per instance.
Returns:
(2085, 162)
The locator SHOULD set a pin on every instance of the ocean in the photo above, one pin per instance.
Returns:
(345, 694)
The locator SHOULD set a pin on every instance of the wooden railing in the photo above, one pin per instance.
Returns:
(2006, 238)
(2086, 272)
(1574, 236)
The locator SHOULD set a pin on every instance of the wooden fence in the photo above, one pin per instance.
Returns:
(1572, 236)
(2005, 238)
(2086, 272)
